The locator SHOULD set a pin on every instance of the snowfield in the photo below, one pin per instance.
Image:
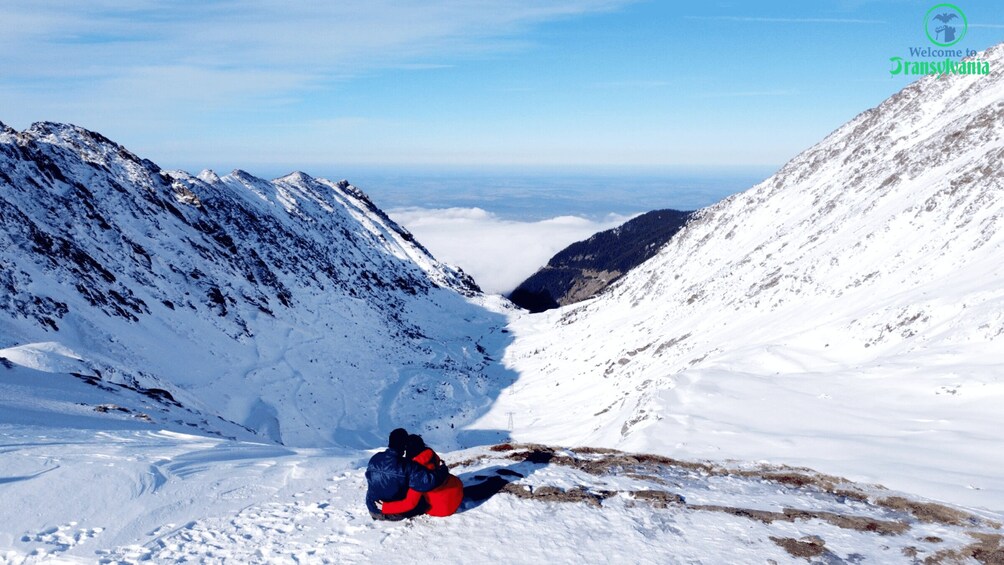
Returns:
(129, 496)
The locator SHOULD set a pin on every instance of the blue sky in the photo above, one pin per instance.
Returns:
(273, 86)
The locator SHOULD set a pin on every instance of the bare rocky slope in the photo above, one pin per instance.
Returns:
(584, 268)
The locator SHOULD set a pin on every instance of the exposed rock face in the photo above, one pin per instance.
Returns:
(583, 269)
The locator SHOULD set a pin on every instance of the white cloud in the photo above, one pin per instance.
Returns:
(239, 51)
(498, 253)
(244, 80)
(763, 20)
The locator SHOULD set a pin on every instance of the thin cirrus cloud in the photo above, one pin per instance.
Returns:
(498, 253)
(768, 20)
(82, 60)
(751, 93)
(246, 82)
(633, 84)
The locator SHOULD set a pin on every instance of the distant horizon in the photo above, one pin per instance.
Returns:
(549, 193)
(501, 228)
(338, 171)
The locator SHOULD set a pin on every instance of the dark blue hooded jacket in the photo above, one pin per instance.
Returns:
(390, 476)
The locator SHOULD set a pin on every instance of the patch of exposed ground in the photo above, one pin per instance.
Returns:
(867, 509)
(807, 547)
(987, 549)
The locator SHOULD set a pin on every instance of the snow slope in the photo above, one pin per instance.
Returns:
(129, 496)
(294, 310)
(846, 314)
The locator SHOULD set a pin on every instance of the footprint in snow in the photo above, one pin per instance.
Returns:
(62, 537)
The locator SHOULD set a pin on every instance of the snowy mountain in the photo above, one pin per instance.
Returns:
(846, 314)
(292, 310)
(585, 268)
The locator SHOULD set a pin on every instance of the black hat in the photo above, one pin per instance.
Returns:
(414, 446)
(398, 439)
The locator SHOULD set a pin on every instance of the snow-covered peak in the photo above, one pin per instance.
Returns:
(296, 177)
(79, 140)
(994, 53)
(208, 176)
(42, 129)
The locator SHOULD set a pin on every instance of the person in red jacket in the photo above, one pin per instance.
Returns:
(443, 500)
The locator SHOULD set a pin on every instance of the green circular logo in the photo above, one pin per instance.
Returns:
(945, 25)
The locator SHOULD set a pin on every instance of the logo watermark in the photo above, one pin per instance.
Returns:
(940, 68)
(948, 23)
(945, 26)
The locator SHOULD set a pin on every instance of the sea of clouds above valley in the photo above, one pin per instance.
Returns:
(499, 253)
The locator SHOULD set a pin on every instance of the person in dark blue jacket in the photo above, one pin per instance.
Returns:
(389, 476)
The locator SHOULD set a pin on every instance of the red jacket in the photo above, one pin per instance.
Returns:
(443, 500)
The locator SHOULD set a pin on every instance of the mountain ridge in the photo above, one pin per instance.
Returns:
(585, 268)
(260, 302)
(865, 270)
